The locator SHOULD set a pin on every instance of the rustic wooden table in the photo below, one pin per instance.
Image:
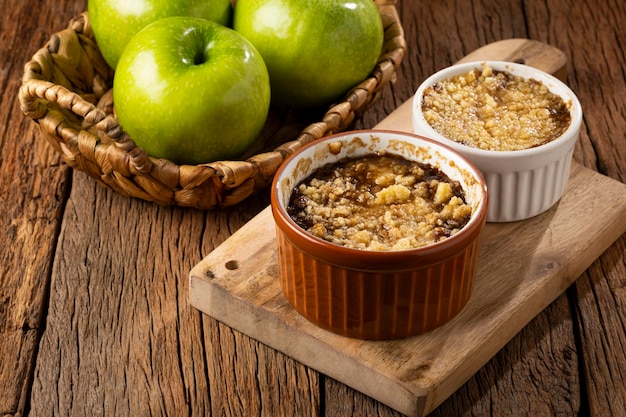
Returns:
(94, 311)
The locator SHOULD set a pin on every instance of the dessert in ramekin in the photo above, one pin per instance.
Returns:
(518, 124)
(380, 292)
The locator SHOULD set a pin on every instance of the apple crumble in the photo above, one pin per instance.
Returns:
(379, 202)
(495, 110)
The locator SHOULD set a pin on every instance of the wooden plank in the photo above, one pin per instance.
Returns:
(600, 302)
(597, 298)
(121, 337)
(523, 267)
(32, 196)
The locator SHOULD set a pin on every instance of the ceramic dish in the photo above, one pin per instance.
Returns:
(377, 294)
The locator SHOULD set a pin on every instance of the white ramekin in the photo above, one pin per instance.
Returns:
(522, 183)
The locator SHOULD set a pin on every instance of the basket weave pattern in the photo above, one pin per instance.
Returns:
(66, 89)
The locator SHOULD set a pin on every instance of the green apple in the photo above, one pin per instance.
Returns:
(115, 22)
(315, 50)
(191, 91)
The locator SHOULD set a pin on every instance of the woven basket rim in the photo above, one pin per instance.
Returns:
(66, 89)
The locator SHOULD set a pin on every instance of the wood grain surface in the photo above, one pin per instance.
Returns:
(94, 312)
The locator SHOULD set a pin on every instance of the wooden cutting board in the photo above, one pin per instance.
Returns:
(522, 268)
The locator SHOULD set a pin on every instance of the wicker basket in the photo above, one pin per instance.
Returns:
(66, 89)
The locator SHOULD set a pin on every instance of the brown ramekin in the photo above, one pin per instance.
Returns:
(377, 294)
